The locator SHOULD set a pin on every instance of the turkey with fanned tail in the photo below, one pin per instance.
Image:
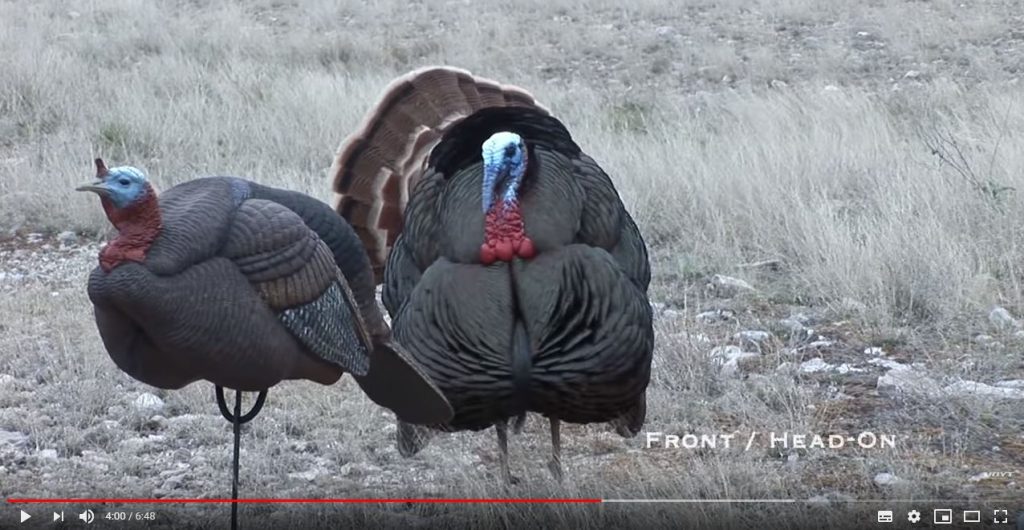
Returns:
(512, 271)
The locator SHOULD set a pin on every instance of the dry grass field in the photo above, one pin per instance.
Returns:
(859, 165)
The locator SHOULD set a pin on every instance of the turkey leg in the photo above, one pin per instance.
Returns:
(555, 464)
(237, 419)
(502, 429)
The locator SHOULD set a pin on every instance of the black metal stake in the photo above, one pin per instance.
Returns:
(237, 419)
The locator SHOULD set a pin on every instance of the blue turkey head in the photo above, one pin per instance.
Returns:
(121, 185)
(504, 155)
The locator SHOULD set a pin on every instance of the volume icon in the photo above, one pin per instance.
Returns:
(87, 516)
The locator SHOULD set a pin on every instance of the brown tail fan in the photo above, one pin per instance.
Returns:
(377, 165)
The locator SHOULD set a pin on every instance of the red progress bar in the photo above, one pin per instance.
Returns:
(306, 501)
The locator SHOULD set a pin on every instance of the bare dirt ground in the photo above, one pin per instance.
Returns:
(829, 191)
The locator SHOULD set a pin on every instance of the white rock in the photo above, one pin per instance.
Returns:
(887, 479)
(1012, 383)
(729, 357)
(1001, 319)
(793, 325)
(874, 352)
(148, 403)
(831, 88)
(67, 238)
(716, 315)
(6, 380)
(846, 368)
(973, 388)
(912, 74)
(904, 379)
(672, 314)
(752, 335)
(727, 286)
(47, 454)
(816, 364)
(983, 339)
(358, 469)
(13, 439)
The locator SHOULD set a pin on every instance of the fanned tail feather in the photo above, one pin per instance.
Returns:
(377, 165)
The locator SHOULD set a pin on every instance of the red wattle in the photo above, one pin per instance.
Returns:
(503, 249)
(526, 249)
(487, 254)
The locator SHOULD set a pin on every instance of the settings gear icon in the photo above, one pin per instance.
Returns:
(914, 516)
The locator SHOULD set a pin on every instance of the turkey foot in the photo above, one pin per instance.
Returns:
(555, 464)
(517, 427)
(502, 430)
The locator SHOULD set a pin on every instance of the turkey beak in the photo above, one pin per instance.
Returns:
(99, 187)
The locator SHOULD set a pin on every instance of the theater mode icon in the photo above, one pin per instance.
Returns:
(885, 516)
(972, 516)
(942, 516)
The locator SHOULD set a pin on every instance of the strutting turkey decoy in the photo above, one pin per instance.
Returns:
(243, 285)
(512, 271)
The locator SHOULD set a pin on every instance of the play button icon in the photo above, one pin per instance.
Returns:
(24, 516)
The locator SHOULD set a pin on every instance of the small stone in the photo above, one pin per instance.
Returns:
(973, 388)
(309, 475)
(793, 326)
(67, 238)
(358, 469)
(912, 74)
(156, 422)
(13, 439)
(672, 314)
(776, 83)
(729, 357)
(983, 339)
(904, 379)
(147, 402)
(727, 286)
(752, 336)
(874, 352)
(716, 315)
(815, 365)
(7, 380)
(887, 479)
(1002, 320)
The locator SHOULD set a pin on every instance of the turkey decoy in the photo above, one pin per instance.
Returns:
(243, 285)
(512, 271)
